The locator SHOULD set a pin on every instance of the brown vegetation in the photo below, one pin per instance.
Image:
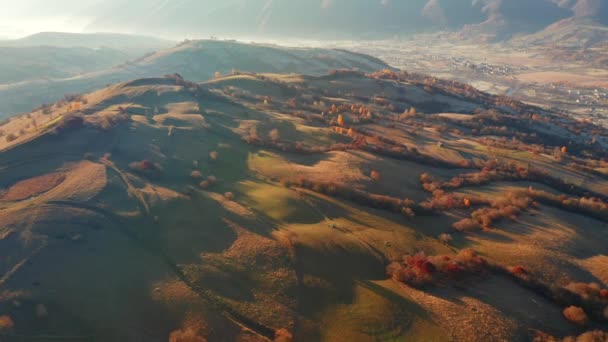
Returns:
(589, 206)
(69, 122)
(375, 175)
(145, 167)
(589, 336)
(404, 207)
(196, 174)
(32, 187)
(274, 135)
(419, 270)
(576, 315)
(509, 206)
(10, 137)
(6, 323)
(186, 335)
(283, 335)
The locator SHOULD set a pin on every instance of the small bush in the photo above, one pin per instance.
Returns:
(576, 315)
(283, 335)
(589, 291)
(517, 270)
(466, 225)
(6, 323)
(229, 196)
(10, 137)
(375, 175)
(196, 174)
(274, 135)
(589, 336)
(186, 335)
(445, 238)
(213, 155)
(144, 166)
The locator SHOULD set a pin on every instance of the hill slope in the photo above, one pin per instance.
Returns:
(261, 207)
(91, 40)
(19, 64)
(196, 60)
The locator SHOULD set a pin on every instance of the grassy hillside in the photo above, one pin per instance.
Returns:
(260, 207)
(91, 41)
(22, 64)
(196, 60)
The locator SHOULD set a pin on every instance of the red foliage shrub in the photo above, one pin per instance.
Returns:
(576, 315)
(6, 323)
(375, 175)
(283, 335)
(145, 166)
(420, 270)
(518, 270)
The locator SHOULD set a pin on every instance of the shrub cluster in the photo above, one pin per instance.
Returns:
(509, 206)
(589, 336)
(590, 206)
(420, 270)
(405, 207)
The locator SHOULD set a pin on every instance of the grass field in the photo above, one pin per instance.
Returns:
(175, 210)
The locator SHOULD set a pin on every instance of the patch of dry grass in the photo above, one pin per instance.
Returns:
(32, 187)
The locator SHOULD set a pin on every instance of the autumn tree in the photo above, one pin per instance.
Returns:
(274, 135)
(340, 120)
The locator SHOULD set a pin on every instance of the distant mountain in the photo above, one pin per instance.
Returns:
(52, 55)
(571, 33)
(91, 41)
(340, 18)
(19, 64)
(196, 61)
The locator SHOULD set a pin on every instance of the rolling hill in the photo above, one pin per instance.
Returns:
(22, 64)
(264, 206)
(196, 60)
(114, 41)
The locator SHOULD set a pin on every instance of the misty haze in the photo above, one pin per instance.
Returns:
(304, 170)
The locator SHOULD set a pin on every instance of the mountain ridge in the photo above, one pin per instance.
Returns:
(341, 19)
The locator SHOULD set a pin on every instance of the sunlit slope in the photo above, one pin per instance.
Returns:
(259, 207)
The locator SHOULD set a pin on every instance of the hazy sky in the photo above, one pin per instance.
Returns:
(23, 17)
